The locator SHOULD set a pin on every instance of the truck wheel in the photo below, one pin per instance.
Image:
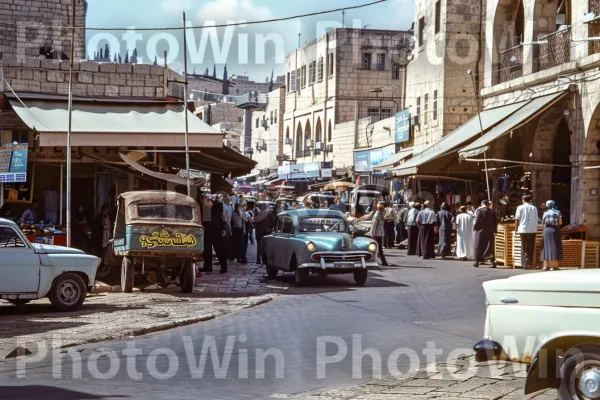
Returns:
(18, 302)
(127, 275)
(187, 280)
(68, 292)
(360, 277)
(580, 374)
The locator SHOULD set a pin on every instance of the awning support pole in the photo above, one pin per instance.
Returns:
(185, 111)
(478, 99)
(60, 195)
(70, 111)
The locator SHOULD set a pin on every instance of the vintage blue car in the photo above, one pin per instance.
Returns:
(317, 241)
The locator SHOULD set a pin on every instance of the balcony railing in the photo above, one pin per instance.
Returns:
(558, 49)
(511, 63)
(594, 27)
(303, 153)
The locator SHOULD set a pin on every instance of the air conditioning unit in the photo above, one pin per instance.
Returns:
(249, 150)
(288, 141)
(283, 157)
(415, 120)
(329, 148)
(309, 143)
(319, 146)
(265, 124)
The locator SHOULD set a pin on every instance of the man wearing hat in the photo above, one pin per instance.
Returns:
(526, 222)
(214, 234)
(426, 221)
(378, 229)
(485, 227)
(413, 229)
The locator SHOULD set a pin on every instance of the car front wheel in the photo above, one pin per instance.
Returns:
(127, 275)
(360, 277)
(68, 292)
(580, 374)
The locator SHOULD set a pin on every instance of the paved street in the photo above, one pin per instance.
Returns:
(406, 307)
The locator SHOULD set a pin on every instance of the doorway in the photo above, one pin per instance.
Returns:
(561, 176)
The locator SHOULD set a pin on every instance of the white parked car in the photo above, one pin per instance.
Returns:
(30, 271)
(550, 321)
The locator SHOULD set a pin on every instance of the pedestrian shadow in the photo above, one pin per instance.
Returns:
(48, 393)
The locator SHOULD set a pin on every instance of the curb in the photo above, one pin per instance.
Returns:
(258, 302)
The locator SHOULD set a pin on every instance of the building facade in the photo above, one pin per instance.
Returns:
(40, 28)
(242, 85)
(338, 84)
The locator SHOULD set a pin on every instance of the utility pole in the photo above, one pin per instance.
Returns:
(185, 111)
(299, 41)
(70, 126)
(343, 18)
(477, 99)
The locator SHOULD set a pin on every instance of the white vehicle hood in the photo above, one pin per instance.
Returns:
(49, 249)
(575, 288)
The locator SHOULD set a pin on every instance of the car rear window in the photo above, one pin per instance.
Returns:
(322, 224)
(165, 211)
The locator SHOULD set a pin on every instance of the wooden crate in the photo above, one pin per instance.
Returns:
(591, 255)
(572, 253)
(517, 248)
(503, 244)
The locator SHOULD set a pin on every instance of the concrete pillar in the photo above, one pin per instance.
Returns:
(247, 130)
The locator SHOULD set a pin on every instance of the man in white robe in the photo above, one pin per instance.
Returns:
(464, 235)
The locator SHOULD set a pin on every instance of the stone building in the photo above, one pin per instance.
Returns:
(41, 28)
(448, 42)
(335, 85)
(242, 85)
(205, 87)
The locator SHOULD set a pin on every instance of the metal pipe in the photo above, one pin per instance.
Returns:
(70, 126)
(478, 99)
(185, 111)
(516, 162)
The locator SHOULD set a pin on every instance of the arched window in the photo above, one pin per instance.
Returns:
(299, 137)
(287, 133)
(307, 134)
(318, 132)
(257, 122)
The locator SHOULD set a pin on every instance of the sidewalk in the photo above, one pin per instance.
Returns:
(463, 379)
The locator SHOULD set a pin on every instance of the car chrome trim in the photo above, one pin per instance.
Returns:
(332, 266)
(509, 300)
(331, 256)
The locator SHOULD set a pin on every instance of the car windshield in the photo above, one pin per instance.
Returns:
(322, 224)
(165, 211)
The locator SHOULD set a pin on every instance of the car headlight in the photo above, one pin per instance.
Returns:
(372, 247)
(310, 246)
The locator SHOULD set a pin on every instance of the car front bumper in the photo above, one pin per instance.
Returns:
(341, 265)
(487, 350)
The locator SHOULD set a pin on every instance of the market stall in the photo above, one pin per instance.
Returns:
(45, 234)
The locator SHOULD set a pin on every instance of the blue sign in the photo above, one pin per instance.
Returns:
(13, 163)
(299, 171)
(365, 160)
(361, 161)
(402, 130)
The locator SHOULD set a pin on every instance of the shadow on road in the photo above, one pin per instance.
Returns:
(47, 393)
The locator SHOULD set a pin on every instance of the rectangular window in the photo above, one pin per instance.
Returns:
(366, 60)
(293, 81)
(396, 70)
(330, 72)
(421, 31)
(271, 119)
(303, 76)
(289, 86)
(435, 106)
(438, 16)
(163, 211)
(312, 72)
(419, 108)
(375, 112)
(275, 116)
(425, 107)
(380, 62)
(320, 70)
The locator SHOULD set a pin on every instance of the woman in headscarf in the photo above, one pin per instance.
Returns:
(464, 234)
(444, 220)
(552, 251)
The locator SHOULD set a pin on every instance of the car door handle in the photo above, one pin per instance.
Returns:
(509, 300)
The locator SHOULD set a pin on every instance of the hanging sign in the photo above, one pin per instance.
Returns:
(13, 163)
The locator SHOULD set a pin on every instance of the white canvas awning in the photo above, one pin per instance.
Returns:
(489, 118)
(106, 123)
(531, 110)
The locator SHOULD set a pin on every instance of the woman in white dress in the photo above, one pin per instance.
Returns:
(464, 234)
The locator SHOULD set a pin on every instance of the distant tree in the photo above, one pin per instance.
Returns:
(225, 74)
(115, 60)
(155, 61)
(134, 57)
(271, 81)
(95, 56)
(106, 52)
(215, 71)
(206, 72)
(101, 54)
(127, 57)
(120, 59)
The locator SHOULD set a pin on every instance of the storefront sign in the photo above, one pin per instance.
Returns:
(365, 160)
(402, 131)
(299, 171)
(164, 239)
(13, 163)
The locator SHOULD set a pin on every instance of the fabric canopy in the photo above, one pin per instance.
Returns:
(466, 132)
(395, 159)
(111, 123)
(224, 161)
(531, 110)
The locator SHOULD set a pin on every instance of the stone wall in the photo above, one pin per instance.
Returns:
(91, 79)
(28, 25)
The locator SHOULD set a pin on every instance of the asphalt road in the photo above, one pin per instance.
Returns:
(402, 311)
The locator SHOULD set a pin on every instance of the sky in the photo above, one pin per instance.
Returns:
(252, 50)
